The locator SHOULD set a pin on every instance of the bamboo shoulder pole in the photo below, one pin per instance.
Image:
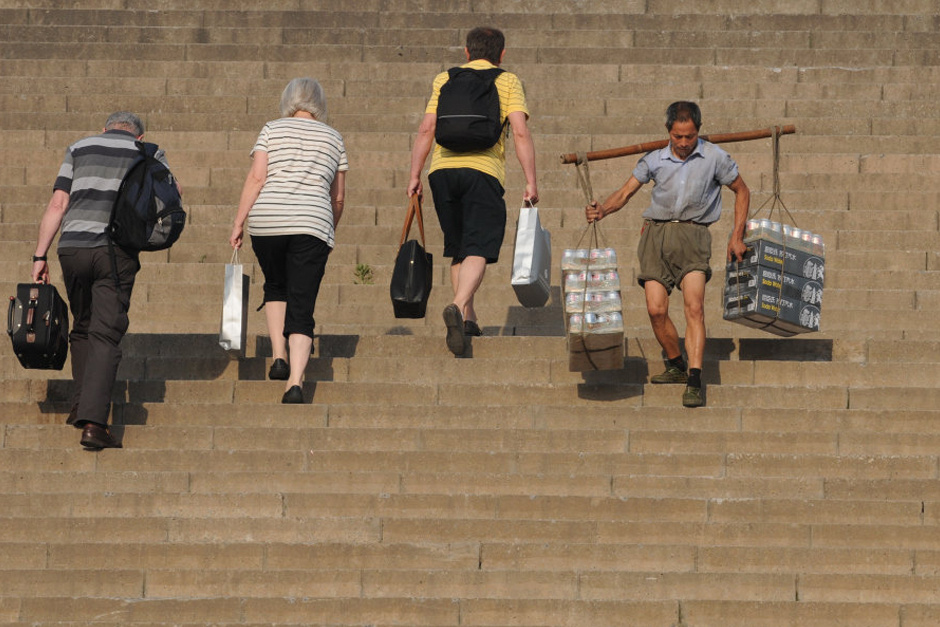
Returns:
(717, 138)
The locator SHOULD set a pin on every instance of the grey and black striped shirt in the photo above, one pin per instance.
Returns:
(91, 174)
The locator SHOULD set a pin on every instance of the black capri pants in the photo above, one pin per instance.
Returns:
(293, 267)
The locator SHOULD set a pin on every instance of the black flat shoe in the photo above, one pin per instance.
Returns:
(453, 320)
(293, 396)
(280, 370)
(97, 436)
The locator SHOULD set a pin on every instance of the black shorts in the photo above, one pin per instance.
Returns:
(472, 213)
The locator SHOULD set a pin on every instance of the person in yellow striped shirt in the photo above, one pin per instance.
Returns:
(467, 187)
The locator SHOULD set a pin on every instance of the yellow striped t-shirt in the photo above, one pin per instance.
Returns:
(492, 161)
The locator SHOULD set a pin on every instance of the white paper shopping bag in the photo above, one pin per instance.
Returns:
(233, 331)
(532, 260)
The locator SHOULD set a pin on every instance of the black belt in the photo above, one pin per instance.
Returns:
(705, 224)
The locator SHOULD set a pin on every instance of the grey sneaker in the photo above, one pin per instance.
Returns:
(692, 397)
(672, 375)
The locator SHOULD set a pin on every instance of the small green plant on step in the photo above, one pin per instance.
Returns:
(363, 274)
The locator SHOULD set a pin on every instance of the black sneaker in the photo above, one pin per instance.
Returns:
(472, 329)
(293, 396)
(280, 370)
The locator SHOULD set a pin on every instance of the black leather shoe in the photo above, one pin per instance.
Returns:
(280, 370)
(98, 436)
(293, 396)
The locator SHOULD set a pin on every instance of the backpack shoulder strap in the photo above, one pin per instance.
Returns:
(149, 149)
(487, 73)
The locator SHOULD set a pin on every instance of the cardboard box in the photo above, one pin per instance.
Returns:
(766, 306)
(762, 325)
(595, 351)
(746, 280)
(788, 260)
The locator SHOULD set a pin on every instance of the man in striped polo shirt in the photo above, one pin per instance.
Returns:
(83, 195)
(468, 186)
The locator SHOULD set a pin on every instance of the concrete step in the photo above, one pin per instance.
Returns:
(416, 488)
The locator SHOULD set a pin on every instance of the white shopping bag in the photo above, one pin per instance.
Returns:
(532, 260)
(233, 331)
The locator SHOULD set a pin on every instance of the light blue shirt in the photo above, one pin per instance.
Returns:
(690, 189)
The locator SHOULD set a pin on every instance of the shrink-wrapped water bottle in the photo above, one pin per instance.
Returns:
(603, 280)
(611, 322)
(602, 259)
(575, 281)
(574, 258)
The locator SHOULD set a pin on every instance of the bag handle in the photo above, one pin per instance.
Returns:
(234, 260)
(414, 210)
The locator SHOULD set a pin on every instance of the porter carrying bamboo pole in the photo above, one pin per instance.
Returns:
(717, 138)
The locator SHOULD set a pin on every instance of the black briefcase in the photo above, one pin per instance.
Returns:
(413, 273)
(38, 324)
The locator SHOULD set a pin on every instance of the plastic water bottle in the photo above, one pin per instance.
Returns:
(605, 302)
(819, 248)
(574, 302)
(807, 238)
(792, 237)
(752, 230)
(574, 258)
(575, 281)
(774, 232)
(603, 280)
(604, 323)
(576, 324)
(602, 259)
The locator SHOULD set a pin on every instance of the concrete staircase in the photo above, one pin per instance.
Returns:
(500, 489)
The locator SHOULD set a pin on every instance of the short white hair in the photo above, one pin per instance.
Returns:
(304, 94)
(125, 121)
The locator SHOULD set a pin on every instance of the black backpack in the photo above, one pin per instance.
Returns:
(148, 212)
(468, 110)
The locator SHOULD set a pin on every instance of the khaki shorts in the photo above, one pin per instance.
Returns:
(670, 250)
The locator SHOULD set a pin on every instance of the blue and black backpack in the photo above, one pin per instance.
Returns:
(148, 212)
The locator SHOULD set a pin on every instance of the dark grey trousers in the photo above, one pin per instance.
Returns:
(99, 322)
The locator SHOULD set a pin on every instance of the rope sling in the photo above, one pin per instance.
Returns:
(594, 240)
(775, 201)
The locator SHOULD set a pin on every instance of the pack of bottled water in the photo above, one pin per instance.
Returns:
(593, 308)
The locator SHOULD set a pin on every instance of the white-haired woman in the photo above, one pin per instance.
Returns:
(292, 202)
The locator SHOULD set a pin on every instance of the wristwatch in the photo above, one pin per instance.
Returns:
(42, 258)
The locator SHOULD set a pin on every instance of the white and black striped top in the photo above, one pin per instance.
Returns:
(303, 158)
